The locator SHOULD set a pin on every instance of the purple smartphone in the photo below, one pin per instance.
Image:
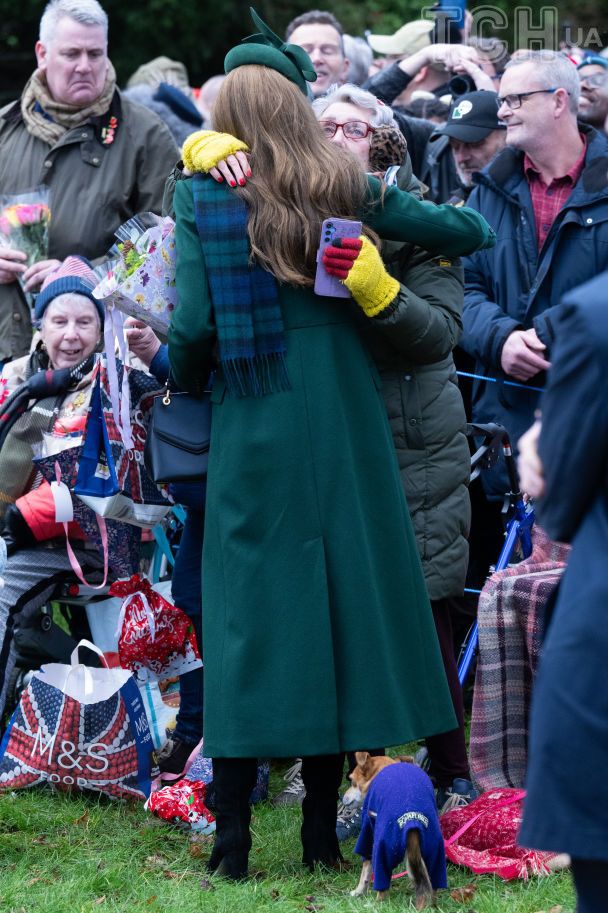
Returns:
(330, 230)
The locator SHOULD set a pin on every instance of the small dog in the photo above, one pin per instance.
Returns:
(399, 820)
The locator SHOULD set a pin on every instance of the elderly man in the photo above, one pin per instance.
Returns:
(320, 35)
(546, 194)
(593, 104)
(103, 157)
(475, 135)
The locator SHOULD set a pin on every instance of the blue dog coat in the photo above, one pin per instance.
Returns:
(401, 797)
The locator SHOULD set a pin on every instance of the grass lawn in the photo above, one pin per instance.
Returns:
(71, 854)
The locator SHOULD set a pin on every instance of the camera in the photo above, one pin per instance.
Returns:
(461, 84)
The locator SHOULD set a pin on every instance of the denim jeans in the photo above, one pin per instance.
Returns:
(186, 591)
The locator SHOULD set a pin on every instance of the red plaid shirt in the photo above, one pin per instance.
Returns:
(547, 200)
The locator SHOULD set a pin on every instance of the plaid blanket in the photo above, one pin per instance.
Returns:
(510, 616)
(245, 299)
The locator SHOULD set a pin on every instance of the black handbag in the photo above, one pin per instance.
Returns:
(177, 445)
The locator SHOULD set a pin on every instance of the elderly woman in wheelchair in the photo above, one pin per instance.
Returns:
(46, 393)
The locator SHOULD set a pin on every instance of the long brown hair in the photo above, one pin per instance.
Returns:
(298, 178)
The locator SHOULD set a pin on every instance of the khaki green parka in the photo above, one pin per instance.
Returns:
(412, 349)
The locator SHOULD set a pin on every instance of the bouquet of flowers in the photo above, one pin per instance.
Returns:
(139, 278)
(24, 223)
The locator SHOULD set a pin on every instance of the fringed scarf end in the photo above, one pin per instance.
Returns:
(256, 376)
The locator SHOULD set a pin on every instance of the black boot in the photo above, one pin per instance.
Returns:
(322, 776)
(233, 781)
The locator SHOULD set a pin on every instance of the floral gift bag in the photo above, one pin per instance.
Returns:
(139, 279)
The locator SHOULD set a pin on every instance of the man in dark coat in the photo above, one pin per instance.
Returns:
(567, 804)
(546, 194)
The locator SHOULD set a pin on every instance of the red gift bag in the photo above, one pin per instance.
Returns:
(482, 836)
(184, 804)
(155, 639)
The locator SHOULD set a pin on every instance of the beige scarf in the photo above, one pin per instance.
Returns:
(64, 117)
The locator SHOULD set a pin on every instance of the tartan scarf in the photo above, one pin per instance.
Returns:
(244, 296)
(22, 422)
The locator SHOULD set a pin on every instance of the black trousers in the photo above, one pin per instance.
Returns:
(448, 751)
(591, 883)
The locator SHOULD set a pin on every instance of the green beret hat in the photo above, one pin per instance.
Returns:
(267, 50)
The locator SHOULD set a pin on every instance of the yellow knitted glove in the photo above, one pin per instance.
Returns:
(368, 281)
(205, 148)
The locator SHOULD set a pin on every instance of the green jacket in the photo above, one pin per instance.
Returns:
(95, 186)
(318, 633)
(413, 352)
(398, 217)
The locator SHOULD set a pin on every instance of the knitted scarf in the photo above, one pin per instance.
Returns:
(55, 119)
(22, 422)
(244, 296)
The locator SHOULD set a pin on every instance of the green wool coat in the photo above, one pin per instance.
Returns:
(317, 630)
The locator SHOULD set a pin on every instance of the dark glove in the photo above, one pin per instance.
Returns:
(16, 533)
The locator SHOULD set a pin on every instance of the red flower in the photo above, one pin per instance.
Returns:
(107, 133)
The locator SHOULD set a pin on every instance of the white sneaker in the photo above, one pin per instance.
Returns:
(294, 792)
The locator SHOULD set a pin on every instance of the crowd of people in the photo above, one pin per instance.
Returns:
(324, 562)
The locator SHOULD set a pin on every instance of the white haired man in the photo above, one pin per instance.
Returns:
(103, 157)
(546, 194)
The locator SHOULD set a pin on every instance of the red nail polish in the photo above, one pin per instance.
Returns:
(220, 179)
(232, 183)
(242, 182)
(248, 173)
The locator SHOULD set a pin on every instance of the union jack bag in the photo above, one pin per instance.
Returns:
(79, 728)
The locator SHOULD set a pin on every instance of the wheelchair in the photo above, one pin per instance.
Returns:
(50, 632)
(519, 519)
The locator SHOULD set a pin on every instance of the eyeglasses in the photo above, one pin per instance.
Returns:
(356, 130)
(325, 50)
(594, 80)
(514, 101)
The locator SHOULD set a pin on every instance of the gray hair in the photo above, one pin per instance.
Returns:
(86, 12)
(360, 56)
(554, 70)
(65, 298)
(382, 115)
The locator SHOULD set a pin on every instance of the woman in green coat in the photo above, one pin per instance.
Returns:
(412, 349)
(316, 624)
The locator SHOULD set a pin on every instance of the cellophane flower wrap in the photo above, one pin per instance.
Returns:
(156, 640)
(139, 276)
(24, 223)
